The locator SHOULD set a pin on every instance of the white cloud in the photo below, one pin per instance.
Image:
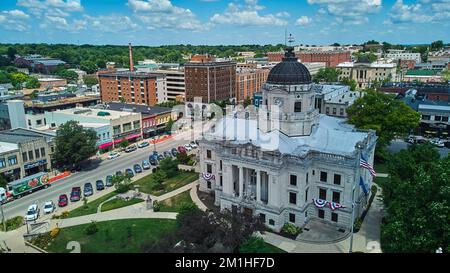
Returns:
(14, 20)
(422, 11)
(163, 14)
(38, 7)
(303, 21)
(348, 11)
(248, 15)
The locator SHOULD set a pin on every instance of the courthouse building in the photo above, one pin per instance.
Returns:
(288, 166)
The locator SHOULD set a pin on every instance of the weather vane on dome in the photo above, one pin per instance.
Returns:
(291, 39)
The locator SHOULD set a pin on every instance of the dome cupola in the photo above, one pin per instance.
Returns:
(290, 71)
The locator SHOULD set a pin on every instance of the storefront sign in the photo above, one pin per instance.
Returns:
(33, 165)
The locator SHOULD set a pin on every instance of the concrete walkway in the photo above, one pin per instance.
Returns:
(382, 175)
(366, 240)
(196, 199)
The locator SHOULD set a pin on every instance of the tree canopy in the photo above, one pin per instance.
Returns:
(417, 200)
(74, 144)
(384, 114)
(329, 74)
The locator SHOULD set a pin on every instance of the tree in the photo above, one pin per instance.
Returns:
(11, 53)
(69, 75)
(3, 181)
(74, 144)
(247, 102)
(89, 67)
(329, 74)
(183, 158)
(446, 75)
(169, 126)
(34, 94)
(18, 78)
(382, 113)
(169, 166)
(124, 143)
(158, 178)
(417, 202)
(253, 244)
(350, 82)
(90, 80)
(32, 82)
(437, 45)
(4, 61)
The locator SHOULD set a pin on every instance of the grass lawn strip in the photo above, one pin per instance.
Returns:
(119, 203)
(118, 236)
(146, 184)
(91, 207)
(174, 204)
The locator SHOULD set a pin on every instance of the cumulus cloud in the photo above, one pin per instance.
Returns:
(348, 11)
(422, 11)
(39, 7)
(303, 21)
(14, 20)
(163, 14)
(248, 15)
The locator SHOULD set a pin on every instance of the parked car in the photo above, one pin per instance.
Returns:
(119, 173)
(437, 142)
(167, 154)
(99, 185)
(160, 157)
(129, 172)
(62, 200)
(411, 140)
(153, 160)
(174, 152)
(75, 194)
(113, 155)
(143, 144)
(88, 189)
(193, 144)
(188, 147)
(49, 207)
(32, 213)
(108, 181)
(146, 165)
(155, 153)
(137, 168)
(181, 149)
(131, 148)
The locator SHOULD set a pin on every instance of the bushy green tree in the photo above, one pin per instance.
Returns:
(32, 82)
(74, 144)
(158, 178)
(329, 74)
(349, 82)
(88, 66)
(169, 166)
(90, 80)
(417, 202)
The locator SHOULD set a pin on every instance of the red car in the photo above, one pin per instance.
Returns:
(75, 195)
(181, 149)
(62, 201)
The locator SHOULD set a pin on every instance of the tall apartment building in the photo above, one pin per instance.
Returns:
(210, 79)
(130, 87)
(249, 81)
(175, 86)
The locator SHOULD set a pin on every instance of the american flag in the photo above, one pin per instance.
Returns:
(364, 164)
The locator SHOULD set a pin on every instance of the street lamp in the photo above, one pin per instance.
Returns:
(359, 146)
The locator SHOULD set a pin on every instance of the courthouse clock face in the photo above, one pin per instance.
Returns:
(278, 101)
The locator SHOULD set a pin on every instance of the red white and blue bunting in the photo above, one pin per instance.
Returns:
(322, 203)
(208, 176)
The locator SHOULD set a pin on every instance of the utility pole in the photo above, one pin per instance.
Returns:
(3, 216)
(359, 147)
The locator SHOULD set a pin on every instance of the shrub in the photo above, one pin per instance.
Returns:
(13, 223)
(123, 188)
(291, 229)
(65, 214)
(187, 207)
(54, 232)
(357, 224)
(91, 228)
(156, 206)
(42, 241)
(373, 189)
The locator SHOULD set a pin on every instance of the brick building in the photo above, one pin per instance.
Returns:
(331, 58)
(249, 81)
(132, 87)
(210, 79)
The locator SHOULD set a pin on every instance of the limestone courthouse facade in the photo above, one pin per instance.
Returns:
(287, 163)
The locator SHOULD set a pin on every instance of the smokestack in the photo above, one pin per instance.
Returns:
(131, 58)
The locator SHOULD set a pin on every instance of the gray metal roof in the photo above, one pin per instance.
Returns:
(138, 108)
(21, 135)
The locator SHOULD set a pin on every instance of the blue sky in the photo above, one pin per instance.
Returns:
(212, 22)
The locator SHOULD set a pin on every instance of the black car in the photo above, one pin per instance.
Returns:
(119, 173)
(129, 172)
(137, 168)
(153, 160)
(99, 185)
(174, 152)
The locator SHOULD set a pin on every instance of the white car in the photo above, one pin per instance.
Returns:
(32, 213)
(437, 142)
(49, 207)
(193, 145)
(188, 147)
(113, 155)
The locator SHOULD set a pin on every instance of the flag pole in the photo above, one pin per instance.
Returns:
(359, 148)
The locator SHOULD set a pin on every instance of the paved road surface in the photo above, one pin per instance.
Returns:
(397, 145)
(106, 167)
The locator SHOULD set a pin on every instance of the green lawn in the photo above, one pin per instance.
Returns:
(117, 236)
(174, 204)
(13, 223)
(119, 203)
(183, 178)
(271, 249)
(91, 207)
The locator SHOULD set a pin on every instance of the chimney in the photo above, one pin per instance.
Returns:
(131, 58)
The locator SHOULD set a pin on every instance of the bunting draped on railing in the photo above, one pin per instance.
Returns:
(208, 176)
(320, 203)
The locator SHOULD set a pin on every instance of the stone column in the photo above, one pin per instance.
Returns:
(258, 185)
(241, 182)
